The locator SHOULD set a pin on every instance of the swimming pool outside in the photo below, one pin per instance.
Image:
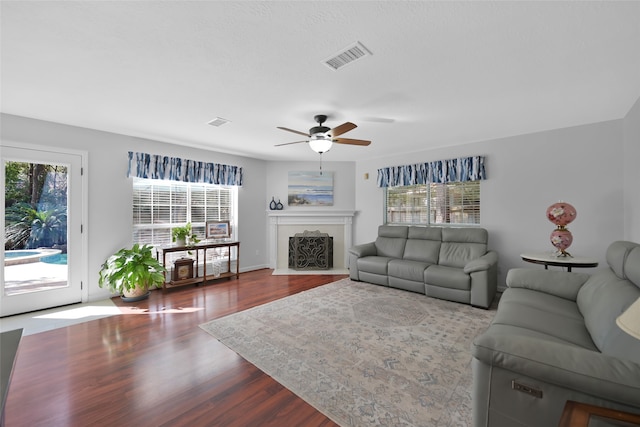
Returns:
(58, 259)
(26, 256)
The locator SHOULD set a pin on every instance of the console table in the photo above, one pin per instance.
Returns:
(548, 259)
(197, 248)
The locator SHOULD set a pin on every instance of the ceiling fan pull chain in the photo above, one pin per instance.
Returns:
(320, 163)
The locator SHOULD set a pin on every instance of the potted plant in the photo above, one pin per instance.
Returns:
(183, 236)
(132, 272)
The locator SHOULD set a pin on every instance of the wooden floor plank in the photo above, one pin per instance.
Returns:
(153, 365)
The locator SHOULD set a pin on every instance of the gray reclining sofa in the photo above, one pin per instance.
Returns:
(554, 338)
(442, 262)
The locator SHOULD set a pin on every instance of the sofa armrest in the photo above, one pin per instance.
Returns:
(566, 366)
(365, 249)
(559, 283)
(483, 263)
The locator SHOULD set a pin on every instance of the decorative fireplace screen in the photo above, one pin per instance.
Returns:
(311, 250)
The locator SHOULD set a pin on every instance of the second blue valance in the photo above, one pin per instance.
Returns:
(440, 171)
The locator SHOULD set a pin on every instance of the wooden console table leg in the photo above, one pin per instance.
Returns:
(164, 264)
(237, 260)
(204, 267)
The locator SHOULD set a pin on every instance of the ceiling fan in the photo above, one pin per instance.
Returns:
(321, 138)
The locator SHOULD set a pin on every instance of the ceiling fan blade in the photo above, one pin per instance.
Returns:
(289, 143)
(343, 128)
(294, 131)
(351, 141)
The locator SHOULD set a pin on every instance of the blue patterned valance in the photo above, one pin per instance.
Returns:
(151, 166)
(441, 171)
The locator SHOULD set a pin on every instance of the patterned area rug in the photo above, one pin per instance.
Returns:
(363, 354)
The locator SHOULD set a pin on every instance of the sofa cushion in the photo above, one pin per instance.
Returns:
(500, 329)
(391, 241)
(545, 316)
(422, 250)
(465, 235)
(395, 231)
(407, 269)
(425, 233)
(377, 279)
(601, 300)
(632, 266)
(374, 264)
(617, 253)
(458, 254)
(406, 285)
(557, 283)
(461, 245)
(447, 277)
(423, 244)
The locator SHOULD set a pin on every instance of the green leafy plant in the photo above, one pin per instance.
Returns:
(184, 233)
(132, 269)
(27, 227)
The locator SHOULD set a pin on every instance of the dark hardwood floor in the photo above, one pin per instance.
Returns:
(153, 365)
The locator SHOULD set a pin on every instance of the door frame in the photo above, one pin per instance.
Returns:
(83, 259)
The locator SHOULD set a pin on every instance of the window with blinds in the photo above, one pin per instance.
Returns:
(159, 205)
(447, 203)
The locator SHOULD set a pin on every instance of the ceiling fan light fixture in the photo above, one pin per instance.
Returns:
(321, 138)
(320, 144)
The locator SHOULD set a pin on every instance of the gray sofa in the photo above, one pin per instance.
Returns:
(441, 262)
(554, 338)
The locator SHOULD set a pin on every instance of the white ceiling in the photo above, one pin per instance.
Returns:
(441, 73)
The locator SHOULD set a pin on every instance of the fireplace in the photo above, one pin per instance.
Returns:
(286, 223)
(311, 250)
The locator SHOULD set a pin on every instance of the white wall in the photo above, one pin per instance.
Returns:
(632, 174)
(525, 174)
(110, 191)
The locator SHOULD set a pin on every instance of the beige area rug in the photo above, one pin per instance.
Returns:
(362, 354)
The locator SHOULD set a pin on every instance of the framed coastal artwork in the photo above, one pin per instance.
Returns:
(218, 230)
(310, 188)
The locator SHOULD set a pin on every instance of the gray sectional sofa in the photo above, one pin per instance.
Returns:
(554, 338)
(442, 262)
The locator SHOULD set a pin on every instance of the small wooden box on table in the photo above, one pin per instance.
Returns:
(197, 249)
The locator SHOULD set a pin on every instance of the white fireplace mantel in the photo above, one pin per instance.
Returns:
(309, 218)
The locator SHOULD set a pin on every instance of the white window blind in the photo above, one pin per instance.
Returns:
(159, 206)
(442, 203)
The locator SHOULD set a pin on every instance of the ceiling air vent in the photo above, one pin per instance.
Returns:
(346, 56)
(218, 121)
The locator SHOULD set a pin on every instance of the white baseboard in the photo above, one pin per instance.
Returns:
(292, 272)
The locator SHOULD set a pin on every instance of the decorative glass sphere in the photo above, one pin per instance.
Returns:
(561, 213)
